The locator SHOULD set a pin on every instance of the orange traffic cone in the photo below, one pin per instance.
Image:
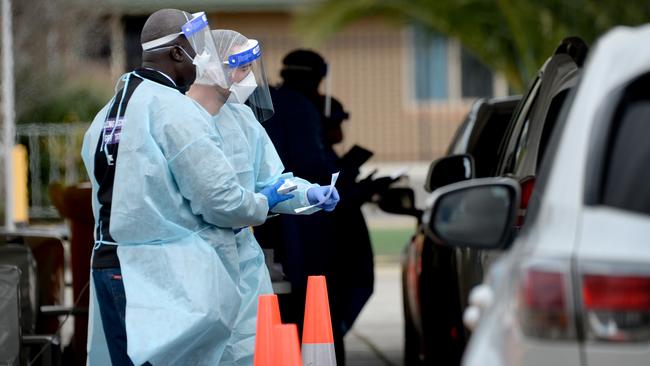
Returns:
(268, 316)
(317, 336)
(287, 346)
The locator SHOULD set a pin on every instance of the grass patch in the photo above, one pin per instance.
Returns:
(389, 242)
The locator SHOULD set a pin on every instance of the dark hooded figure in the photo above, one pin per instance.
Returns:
(303, 244)
(354, 278)
(337, 245)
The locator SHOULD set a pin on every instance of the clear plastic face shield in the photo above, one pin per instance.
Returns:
(245, 70)
(209, 69)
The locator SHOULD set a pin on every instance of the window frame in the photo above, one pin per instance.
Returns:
(558, 74)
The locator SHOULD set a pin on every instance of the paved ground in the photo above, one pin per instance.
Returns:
(377, 336)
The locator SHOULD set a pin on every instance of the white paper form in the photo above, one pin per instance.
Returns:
(335, 176)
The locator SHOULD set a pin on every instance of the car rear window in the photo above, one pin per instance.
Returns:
(626, 182)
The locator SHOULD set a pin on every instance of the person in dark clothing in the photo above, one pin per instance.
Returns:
(296, 132)
(341, 251)
(354, 256)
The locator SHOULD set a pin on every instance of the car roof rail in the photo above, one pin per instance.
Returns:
(575, 47)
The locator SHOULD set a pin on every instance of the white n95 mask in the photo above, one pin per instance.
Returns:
(208, 72)
(239, 92)
(201, 62)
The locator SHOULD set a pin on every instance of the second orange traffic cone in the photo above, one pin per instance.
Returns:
(317, 336)
(268, 316)
(287, 346)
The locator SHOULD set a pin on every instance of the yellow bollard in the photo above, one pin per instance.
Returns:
(20, 171)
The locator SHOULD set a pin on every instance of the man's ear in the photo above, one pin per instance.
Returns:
(176, 54)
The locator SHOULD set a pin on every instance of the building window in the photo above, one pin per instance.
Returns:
(476, 77)
(430, 59)
(444, 70)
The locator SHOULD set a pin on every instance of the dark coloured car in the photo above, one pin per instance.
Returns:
(574, 286)
(525, 144)
(437, 280)
(432, 313)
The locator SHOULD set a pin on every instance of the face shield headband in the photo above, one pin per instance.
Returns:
(198, 22)
(244, 57)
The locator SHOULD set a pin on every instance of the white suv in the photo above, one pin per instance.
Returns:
(574, 289)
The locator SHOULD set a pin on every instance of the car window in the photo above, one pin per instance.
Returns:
(521, 118)
(488, 141)
(626, 182)
(456, 146)
(529, 142)
(521, 145)
(551, 147)
(552, 117)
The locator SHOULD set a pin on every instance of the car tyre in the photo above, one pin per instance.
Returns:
(411, 337)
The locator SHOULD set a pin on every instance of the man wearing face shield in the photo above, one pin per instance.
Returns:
(164, 284)
(236, 114)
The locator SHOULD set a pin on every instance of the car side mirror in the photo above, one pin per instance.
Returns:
(399, 201)
(478, 214)
(447, 170)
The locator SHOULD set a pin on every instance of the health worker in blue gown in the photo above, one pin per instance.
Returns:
(165, 267)
(236, 113)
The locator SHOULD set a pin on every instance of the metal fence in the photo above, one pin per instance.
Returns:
(54, 151)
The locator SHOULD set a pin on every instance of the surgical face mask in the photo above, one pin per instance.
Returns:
(205, 70)
(201, 61)
(240, 91)
(208, 72)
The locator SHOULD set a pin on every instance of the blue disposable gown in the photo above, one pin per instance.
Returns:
(252, 155)
(175, 202)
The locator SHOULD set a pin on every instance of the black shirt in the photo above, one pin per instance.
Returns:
(105, 256)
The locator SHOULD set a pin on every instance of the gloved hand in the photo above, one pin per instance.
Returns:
(272, 195)
(317, 194)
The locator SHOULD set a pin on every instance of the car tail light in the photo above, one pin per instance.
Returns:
(545, 301)
(527, 186)
(612, 302)
(616, 308)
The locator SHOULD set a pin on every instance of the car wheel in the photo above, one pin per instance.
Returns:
(411, 337)
(441, 317)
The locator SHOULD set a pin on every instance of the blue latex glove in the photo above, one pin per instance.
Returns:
(317, 194)
(272, 195)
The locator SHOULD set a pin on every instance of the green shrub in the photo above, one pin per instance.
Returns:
(76, 104)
